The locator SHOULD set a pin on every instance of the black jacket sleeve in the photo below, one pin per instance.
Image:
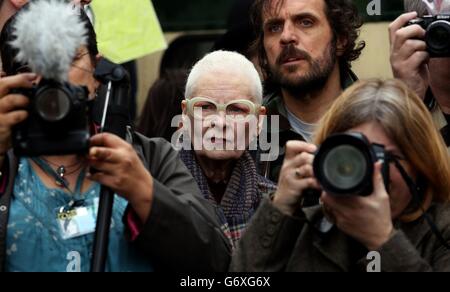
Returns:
(182, 232)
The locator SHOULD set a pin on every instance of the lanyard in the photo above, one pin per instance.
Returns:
(445, 131)
(77, 200)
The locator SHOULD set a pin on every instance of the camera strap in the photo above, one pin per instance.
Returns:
(429, 100)
(445, 131)
(415, 192)
(447, 118)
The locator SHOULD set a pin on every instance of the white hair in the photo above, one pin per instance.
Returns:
(225, 62)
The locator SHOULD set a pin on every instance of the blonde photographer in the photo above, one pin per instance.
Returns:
(396, 221)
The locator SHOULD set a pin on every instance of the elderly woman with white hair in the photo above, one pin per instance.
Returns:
(222, 113)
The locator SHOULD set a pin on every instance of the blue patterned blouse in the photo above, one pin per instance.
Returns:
(34, 242)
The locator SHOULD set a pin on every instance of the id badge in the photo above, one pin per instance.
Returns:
(78, 221)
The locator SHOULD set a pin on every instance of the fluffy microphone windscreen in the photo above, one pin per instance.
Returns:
(48, 34)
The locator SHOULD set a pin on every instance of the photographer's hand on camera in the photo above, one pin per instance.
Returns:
(409, 57)
(366, 219)
(12, 106)
(120, 169)
(296, 176)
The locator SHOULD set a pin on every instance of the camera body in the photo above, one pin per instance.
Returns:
(344, 165)
(437, 34)
(58, 121)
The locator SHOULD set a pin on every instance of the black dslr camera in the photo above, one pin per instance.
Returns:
(344, 165)
(57, 123)
(438, 34)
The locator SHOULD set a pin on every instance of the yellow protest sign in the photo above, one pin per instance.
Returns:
(127, 30)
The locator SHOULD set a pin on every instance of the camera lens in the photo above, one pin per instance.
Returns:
(438, 36)
(345, 167)
(53, 104)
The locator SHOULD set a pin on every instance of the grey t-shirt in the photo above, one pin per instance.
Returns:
(302, 128)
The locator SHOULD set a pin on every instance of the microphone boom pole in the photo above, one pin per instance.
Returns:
(115, 119)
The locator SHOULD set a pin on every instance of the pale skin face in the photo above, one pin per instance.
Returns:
(301, 23)
(222, 87)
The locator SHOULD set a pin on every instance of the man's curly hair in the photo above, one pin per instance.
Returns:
(342, 15)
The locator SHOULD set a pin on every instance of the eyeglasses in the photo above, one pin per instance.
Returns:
(79, 57)
(27, 69)
(82, 69)
(203, 107)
